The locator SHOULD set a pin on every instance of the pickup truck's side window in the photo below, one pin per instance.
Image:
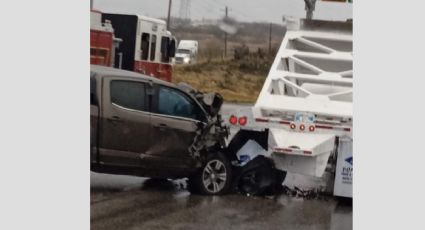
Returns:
(175, 103)
(128, 94)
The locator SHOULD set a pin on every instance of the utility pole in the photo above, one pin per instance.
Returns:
(225, 35)
(270, 39)
(169, 12)
(309, 8)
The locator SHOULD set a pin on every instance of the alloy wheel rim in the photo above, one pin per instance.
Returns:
(214, 176)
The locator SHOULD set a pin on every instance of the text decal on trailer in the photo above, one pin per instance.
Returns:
(347, 171)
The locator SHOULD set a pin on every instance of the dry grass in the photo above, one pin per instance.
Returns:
(229, 78)
(236, 80)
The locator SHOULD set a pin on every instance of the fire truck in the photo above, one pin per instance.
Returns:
(147, 46)
(102, 40)
(132, 42)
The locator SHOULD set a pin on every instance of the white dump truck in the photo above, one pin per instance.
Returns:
(186, 52)
(302, 120)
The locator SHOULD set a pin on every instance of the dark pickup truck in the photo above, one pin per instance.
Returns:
(144, 126)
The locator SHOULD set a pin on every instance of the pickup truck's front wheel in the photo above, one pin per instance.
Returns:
(214, 177)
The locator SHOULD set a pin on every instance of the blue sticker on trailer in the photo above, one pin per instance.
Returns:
(347, 171)
(349, 160)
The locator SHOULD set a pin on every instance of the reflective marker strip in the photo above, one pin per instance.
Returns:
(333, 127)
(324, 127)
(261, 120)
(283, 150)
(286, 122)
(288, 150)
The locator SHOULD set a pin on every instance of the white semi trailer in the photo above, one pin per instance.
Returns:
(303, 114)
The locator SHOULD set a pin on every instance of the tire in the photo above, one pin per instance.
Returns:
(280, 177)
(259, 177)
(213, 178)
(256, 178)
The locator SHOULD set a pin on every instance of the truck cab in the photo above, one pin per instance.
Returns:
(186, 52)
(147, 46)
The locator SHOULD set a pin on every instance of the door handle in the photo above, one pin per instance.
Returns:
(162, 127)
(114, 119)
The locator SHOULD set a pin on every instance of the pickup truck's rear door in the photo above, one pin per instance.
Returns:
(125, 122)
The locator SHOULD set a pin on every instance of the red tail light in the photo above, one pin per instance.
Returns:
(302, 127)
(293, 126)
(311, 128)
(242, 121)
(233, 120)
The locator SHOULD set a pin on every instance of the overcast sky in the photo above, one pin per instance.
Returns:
(242, 10)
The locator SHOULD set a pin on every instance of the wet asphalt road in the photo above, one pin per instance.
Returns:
(126, 202)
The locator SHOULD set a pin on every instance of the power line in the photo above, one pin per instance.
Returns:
(203, 8)
(208, 6)
(184, 11)
(235, 10)
(241, 14)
